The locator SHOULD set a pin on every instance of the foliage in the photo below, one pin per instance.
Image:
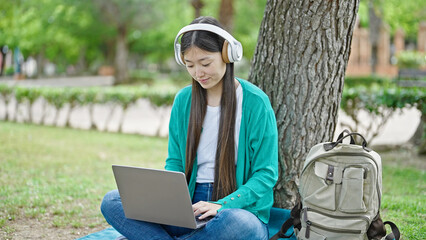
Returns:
(143, 76)
(84, 32)
(249, 14)
(82, 96)
(367, 81)
(411, 59)
(5, 90)
(375, 98)
(405, 14)
(378, 96)
(59, 97)
(155, 41)
(9, 71)
(380, 103)
(60, 30)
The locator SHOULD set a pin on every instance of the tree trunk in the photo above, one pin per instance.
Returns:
(121, 121)
(92, 117)
(198, 5)
(2, 59)
(375, 24)
(419, 137)
(300, 61)
(81, 66)
(68, 113)
(7, 116)
(40, 63)
(226, 14)
(121, 56)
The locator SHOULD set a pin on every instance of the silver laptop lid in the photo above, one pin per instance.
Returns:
(152, 195)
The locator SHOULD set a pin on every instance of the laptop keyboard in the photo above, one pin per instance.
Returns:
(202, 222)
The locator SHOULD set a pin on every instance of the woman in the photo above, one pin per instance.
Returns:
(223, 136)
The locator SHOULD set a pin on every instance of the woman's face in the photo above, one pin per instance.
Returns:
(207, 68)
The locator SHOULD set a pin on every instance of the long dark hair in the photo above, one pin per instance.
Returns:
(224, 177)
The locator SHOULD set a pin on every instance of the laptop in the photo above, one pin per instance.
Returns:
(157, 196)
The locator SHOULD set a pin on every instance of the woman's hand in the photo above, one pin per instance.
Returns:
(206, 209)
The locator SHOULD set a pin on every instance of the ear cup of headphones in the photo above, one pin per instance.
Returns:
(225, 50)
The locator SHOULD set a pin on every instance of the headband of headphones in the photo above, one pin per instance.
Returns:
(232, 49)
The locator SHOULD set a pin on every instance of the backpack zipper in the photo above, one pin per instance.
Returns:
(310, 223)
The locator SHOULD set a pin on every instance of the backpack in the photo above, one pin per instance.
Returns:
(340, 192)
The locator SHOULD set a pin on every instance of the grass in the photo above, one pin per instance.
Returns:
(58, 177)
(404, 193)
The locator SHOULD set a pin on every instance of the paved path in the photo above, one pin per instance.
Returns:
(143, 118)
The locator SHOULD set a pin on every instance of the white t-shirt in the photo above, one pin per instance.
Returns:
(206, 152)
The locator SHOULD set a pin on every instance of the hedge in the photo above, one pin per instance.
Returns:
(381, 104)
(58, 97)
(379, 97)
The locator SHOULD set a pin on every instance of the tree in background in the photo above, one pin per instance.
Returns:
(247, 19)
(197, 5)
(300, 62)
(226, 15)
(123, 16)
(153, 44)
(83, 35)
(60, 31)
(405, 14)
(397, 14)
(375, 13)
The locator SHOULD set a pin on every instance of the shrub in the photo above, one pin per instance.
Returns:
(411, 59)
(367, 81)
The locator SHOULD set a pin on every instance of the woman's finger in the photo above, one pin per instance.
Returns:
(202, 210)
(210, 213)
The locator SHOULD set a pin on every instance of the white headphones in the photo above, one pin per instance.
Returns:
(232, 49)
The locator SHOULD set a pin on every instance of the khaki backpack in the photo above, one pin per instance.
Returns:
(340, 194)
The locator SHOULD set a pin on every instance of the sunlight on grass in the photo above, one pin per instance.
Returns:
(59, 176)
(62, 174)
(404, 200)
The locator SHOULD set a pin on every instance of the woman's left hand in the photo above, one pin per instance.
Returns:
(206, 209)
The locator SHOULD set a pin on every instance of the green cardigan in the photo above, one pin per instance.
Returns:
(257, 162)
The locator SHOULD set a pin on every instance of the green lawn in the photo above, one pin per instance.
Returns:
(58, 177)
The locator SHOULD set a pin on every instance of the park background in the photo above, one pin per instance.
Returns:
(109, 66)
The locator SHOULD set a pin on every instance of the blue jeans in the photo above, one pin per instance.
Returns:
(227, 224)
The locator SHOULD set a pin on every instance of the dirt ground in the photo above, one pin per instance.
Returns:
(35, 229)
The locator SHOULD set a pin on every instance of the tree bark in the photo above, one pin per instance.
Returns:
(121, 56)
(226, 14)
(300, 62)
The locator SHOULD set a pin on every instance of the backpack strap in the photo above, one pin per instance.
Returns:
(283, 230)
(395, 234)
(340, 137)
(294, 220)
(329, 146)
